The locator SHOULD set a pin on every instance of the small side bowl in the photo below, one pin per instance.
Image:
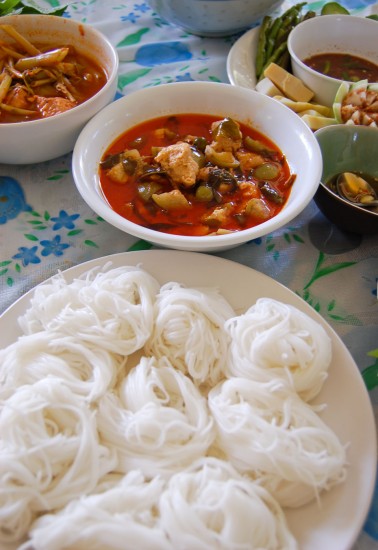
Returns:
(330, 34)
(268, 116)
(347, 148)
(213, 18)
(44, 139)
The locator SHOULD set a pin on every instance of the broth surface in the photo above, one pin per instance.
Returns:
(221, 199)
(343, 66)
(44, 90)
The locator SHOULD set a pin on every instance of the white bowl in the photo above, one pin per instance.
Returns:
(325, 34)
(268, 116)
(213, 17)
(45, 139)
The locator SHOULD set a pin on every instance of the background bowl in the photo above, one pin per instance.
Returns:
(268, 116)
(213, 17)
(347, 148)
(330, 34)
(45, 139)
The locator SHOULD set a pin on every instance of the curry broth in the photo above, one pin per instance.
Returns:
(89, 77)
(126, 201)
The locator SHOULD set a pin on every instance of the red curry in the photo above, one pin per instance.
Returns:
(39, 82)
(195, 174)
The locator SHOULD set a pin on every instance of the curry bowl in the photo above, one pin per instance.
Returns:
(268, 117)
(47, 134)
(347, 149)
(331, 34)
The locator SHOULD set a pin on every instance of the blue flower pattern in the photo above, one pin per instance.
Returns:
(54, 247)
(27, 255)
(64, 220)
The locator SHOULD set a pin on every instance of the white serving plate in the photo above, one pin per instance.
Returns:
(335, 523)
(241, 69)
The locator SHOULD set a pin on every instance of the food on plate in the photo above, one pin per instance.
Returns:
(343, 66)
(315, 121)
(272, 40)
(305, 107)
(269, 433)
(37, 81)
(142, 440)
(275, 338)
(266, 87)
(189, 326)
(357, 103)
(195, 174)
(273, 34)
(165, 515)
(289, 85)
(314, 115)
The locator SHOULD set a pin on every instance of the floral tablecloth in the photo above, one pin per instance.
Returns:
(45, 226)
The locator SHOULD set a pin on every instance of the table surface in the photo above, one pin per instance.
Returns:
(49, 228)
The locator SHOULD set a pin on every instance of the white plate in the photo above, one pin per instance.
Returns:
(241, 69)
(337, 522)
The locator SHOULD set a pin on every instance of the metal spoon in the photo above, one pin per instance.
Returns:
(356, 189)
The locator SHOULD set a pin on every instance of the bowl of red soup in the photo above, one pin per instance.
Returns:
(330, 49)
(197, 165)
(56, 73)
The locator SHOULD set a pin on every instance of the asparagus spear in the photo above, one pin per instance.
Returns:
(272, 41)
(261, 45)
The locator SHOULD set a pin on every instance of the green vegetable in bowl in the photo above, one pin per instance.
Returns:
(333, 8)
(11, 7)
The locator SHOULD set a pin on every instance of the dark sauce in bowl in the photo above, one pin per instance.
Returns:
(343, 66)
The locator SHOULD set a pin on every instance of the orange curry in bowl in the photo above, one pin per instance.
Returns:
(37, 81)
(195, 175)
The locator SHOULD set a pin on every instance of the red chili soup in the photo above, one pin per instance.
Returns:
(195, 174)
(44, 81)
